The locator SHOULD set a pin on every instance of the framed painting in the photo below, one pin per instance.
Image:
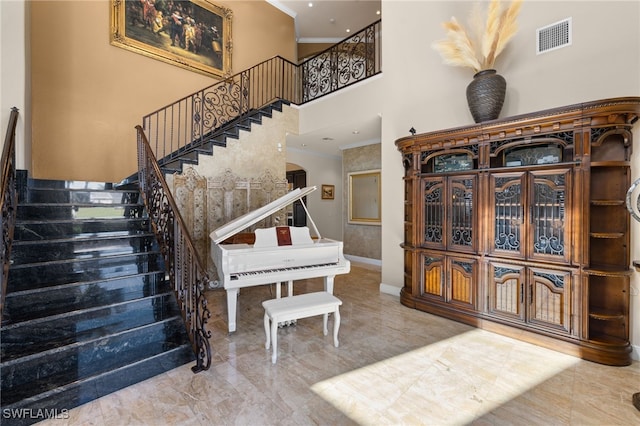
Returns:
(192, 34)
(328, 192)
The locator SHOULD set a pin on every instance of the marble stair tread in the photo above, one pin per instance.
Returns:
(42, 302)
(34, 237)
(74, 211)
(46, 274)
(78, 248)
(42, 334)
(35, 183)
(88, 389)
(34, 230)
(101, 196)
(28, 376)
(64, 364)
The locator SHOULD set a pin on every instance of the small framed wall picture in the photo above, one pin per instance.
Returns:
(328, 192)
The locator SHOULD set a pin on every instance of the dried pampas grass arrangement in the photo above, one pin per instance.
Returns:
(479, 52)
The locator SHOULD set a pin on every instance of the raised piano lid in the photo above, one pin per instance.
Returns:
(248, 219)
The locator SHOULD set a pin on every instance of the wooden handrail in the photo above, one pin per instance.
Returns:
(9, 201)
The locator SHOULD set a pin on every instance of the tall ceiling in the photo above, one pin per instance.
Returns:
(327, 22)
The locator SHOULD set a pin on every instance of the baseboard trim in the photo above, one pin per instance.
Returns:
(390, 289)
(366, 260)
(635, 352)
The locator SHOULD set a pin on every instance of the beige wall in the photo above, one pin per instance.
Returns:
(602, 62)
(14, 87)
(306, 50)
(322, 170)
(88, 95)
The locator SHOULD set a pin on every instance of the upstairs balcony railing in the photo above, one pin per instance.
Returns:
(191, 121)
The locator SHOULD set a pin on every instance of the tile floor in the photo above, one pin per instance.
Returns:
(394, 366)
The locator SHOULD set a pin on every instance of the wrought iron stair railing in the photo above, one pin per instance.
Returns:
(197, 119)
(187, 275)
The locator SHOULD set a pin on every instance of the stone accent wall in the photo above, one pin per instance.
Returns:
(249, 173)
(361, 240)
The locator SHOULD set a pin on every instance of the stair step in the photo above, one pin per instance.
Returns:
(67, 184)
(57, 211)
(177, 164)
(85, 390)
(72, 249)
(217, 137)
(42, 302)
(80, 196)
(31, 375)
(39, 335)
(46, 274)
(34, 230)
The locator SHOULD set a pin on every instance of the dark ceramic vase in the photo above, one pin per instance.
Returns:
(485, 95)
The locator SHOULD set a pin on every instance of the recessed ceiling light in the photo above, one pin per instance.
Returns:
(348, 30)
(377, 12)
(310, 4)
(356, 132)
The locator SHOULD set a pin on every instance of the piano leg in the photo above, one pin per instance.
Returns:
(328, 283)
(232, 303)
(336, 327)
(279, 289)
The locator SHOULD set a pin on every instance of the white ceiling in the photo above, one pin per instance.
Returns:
(327, 22)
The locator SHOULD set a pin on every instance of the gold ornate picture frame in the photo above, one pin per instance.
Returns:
(192, 34)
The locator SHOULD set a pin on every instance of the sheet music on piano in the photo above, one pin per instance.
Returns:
(267, 262)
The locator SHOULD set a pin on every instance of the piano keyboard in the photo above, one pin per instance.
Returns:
(240, 275)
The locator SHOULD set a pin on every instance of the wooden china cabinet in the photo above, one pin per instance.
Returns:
(519, 226)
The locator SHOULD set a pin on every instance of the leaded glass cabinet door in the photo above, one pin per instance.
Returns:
(549, 299)
(449, 212)
(433, 213)
(461, 215)
(506, 219)
(550, 232)
(506, 291)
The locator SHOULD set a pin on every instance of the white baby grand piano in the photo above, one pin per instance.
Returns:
(278, 254)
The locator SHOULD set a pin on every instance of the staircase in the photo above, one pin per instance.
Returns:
(204, 145)
(88, 310)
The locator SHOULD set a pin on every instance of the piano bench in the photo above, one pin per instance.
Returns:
(296, 307)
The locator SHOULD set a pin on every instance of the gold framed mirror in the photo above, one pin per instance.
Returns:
(365, 207)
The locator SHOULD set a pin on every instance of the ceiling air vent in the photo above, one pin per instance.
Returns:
(553, 36)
